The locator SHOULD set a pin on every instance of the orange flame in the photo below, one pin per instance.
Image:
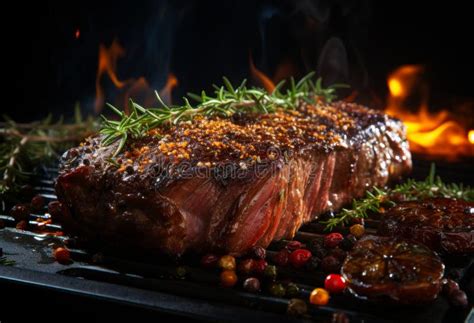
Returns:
(167, 90)
(107, 64)
(429, 133)
(260, 77)
(77, 34)
(137, 89)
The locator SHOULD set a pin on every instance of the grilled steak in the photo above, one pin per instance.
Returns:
(444, 225)
(229, 183)
(401, 270)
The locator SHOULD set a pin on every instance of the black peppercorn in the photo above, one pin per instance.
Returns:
(317, 249)
(313, 264)
(348, 242)
(252, 285)
(258, 252)
(330, 264)
(458, 298)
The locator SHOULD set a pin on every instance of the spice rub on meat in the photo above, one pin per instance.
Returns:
(232, 183)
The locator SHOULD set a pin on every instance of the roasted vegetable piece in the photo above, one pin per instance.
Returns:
(402, 270)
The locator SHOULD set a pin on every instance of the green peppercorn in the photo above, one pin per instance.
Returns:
(292, 290)
(297, 307)
(181, 272)
(277, 289)
(270, 272)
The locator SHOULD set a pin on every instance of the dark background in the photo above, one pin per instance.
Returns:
(47, 69)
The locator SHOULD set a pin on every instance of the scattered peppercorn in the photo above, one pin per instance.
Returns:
(38, 202)
(181, 272)
(20, 212)
(27, 191)
(228, 278)
(258, 252)
(292, 290)
(313, 264)
(246, 266)
(277, 289)
(335, 283)
(330, 264)
(339, 317)
(22, 225)
(55, 209)
(259, 266)
(357, 230)
(450, 286)
(270, 272)
(227, 262)
(319, 296)
(209, 261)
(299, 257)
(293, 245)
(332, 240)
(338, 253)
(281, 257)
(252, 285)
(297, 307)
(316, 247)
(458, 298)
(348, 242)
(62, 255)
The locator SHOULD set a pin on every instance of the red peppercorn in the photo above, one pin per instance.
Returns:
(259, 266)
(332, 240)
(209, 261)
(22, 225)
(335, 283)
(246, 266)
(300, 257)
(281, 258)
(20, 212)
(294, 245)
(37, 202)
(62, 255)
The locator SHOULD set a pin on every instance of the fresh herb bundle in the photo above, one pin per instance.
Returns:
(226, 100)
(432, 186)
(24, 145)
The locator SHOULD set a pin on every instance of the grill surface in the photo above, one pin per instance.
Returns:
(152, 283)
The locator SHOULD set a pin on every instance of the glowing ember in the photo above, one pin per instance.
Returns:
(77, 34)
(428, 133)
(138, 89)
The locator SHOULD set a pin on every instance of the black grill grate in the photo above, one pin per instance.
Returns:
(139, 282)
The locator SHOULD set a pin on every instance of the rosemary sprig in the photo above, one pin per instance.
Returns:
(23, 146)
(432, 186)
(4, 261)
(226, 101)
